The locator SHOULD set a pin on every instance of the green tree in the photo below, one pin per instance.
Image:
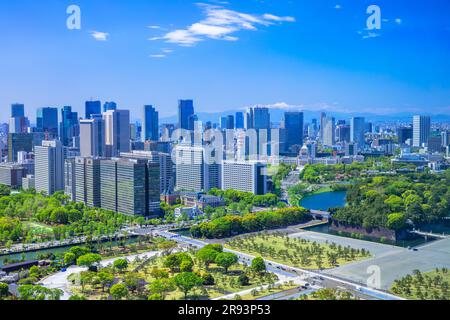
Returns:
(89, 260)
(187, 281)
(105, 278)
(69, 258)
(226, 260)
(4, 290)
(120, 264)
(161, 287)
(258, 265)
(118, 291)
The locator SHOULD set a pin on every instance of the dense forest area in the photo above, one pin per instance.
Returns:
(32, 217)
(396, 202)
(231, 225)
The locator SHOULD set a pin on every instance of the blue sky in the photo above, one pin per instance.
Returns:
(310, 55)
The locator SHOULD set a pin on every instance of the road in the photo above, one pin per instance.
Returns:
(61, 280)
(333, 282)
(396, 264)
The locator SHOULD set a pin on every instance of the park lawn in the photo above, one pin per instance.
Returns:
(429, 288)
(277, 244)
(322, 190)
(225, 283)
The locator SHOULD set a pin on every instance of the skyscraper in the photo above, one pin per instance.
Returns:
(239, 120)
(261, 118)
(17, 110)
(185, 113)
(323, 117)
(150, 126)
(357, 131)
(230, 122)
(293, 125)
(69, 126)
(329, 131)
(47, 121)
(421, 130)
(92, 107)
(92, 137)
(109, 106)
(130, 186)
(117, 132)
(223, 122)
(49, 167)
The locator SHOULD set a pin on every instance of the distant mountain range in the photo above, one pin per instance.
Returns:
(278, 114)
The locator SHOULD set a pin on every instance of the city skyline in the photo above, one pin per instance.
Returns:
(146, 56)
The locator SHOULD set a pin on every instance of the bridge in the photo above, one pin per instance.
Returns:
(431, 234)
(320, 214)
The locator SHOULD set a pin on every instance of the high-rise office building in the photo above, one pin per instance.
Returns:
(329, 132)
(17, 110)
(445, 138)
(150, 125)
(190, 174)
(261, 118)
(109, 106)
(195, 171)
(293, 124)
(434, 143)
(69, 126)
(223, 122)
(240, 120)
(357, 131)
(88, 182)
(91, 108)
(245, 176)
(421, 130)
(92, 137)
(323, 117)
(47, 121)
(18, 125)
(230, 122)
(166, 168)
(249, 119)
(18, 142)
(49, 167)
(404, 134)
(185, 113)
(117, 132)
(128, 186)
(343, 133)
(70, 179)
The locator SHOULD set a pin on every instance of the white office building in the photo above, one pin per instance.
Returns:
(49, 167)
(117, 132)
(421, 130)
(92, 138)
(245, 176)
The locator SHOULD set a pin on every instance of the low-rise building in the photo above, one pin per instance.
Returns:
(11, 174)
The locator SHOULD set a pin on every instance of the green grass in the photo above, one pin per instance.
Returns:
(276, 248)
(424, 286)
(225, 283)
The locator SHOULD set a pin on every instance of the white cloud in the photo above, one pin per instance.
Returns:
(99, 36)
(157, 56)
(338, 6)
(398, 21)
(219, 24)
